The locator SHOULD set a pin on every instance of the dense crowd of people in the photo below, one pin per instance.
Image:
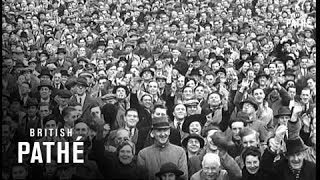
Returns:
(162, 89)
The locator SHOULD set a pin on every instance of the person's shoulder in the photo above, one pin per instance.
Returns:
(196, 175)
(309, 165)
(176, 147)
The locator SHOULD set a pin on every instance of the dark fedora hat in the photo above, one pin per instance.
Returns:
(82, 81)
(45, 72)
(289, 72)
(145, 70)
(120, 86)
(169, 167)
(193, 118)
(194, 136)
(221, 141)
(295, 146)
(263, 74)
(283, 111)
(45, 83)
(251, 100)
(32, 102)
(61, 50)
(160, 123)
(63, 93)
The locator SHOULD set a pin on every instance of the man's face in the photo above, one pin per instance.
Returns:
(81, 89)
(122, 135)
(44, 111)
(161, 135)
(180, 111)
(132, 118)
(210, 170)
(45, 92)
(168, 176)
(32, 111)
(305, 96)
(50, 125)
(272, 68)
(193, 145)
(96, 111)
(188, 93)
(296, 160)
(25, 88)
(214, 99)
(248, 108)
(121, 93)
(57, 78)
(71, 117)
(283, 120)
(292, 91)
(191, 110)
(19, 172)
(199, 92)
(209, 80)
(236, 128)
(81, 129)
(147, 101)
(153, 88)
(259, 95)
(311, 84)
(250, 140)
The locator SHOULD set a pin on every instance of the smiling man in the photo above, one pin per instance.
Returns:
(162, 150)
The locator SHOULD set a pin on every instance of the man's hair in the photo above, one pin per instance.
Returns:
(146, 94)
(211, 157)
(159, 106)
(66, 111)
(131, 109)
(74, 103)
(248, 131)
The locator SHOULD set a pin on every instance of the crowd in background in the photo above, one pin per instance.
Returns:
(162, 89)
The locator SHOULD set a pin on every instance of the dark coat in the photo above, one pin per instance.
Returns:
(145, 140)
(145, 119)
(86, 109)
(280, 169)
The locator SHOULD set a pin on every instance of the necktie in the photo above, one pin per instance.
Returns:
(131, 132)
(178, 126)
(80, 101)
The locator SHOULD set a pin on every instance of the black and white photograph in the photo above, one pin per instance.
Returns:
(158, 90)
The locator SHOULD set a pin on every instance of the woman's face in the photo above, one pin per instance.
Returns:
(252, 164)
(126, 154)
(193, 145)
(195, 127)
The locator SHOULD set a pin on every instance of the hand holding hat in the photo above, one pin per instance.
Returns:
(280, 132)
(274, 145)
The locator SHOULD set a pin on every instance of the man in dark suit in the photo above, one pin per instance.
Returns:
(45, 91)
(83, 98)
(63, 98)
(145, 137)
(144, 109)
(131, 120)
(114, 113)
(61, 62)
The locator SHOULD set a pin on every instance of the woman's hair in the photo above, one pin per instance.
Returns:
(253, 151)
(125, 143)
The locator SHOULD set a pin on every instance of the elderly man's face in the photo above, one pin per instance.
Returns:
(210, 170)
(122, 135)
(296, 160)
